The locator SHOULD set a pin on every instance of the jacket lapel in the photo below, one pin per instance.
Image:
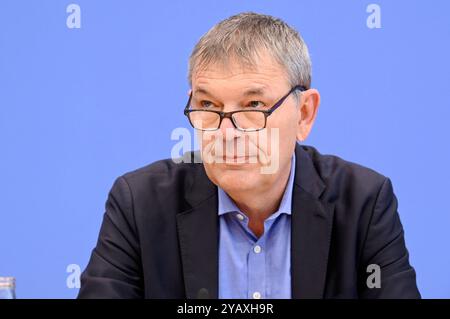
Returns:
(312, 221)
(198, 230)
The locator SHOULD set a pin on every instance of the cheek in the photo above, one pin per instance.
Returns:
(206, 142)
(279, 137)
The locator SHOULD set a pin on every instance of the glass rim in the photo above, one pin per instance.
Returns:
(232, 118)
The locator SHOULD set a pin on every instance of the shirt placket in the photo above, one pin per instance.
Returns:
(257, 270)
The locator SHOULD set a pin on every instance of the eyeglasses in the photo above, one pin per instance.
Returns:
(243, 120)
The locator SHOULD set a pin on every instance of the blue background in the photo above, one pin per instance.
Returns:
(79, 107)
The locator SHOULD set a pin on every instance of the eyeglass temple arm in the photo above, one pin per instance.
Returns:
(277, 105)
(188, 102)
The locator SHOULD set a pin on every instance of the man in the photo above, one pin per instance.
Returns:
(259, 216)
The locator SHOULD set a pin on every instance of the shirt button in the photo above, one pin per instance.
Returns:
(240, 217)
(257, 249)
(256, 295)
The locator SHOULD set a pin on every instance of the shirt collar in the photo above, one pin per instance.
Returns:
(227, 205)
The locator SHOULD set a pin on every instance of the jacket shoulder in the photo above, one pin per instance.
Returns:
(166, 170)
(342, 176)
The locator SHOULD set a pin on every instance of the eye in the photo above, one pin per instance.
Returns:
(206, 104)
(256, 104)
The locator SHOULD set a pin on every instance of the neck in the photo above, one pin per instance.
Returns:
(259, 204)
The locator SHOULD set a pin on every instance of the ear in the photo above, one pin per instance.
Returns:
(309, 105)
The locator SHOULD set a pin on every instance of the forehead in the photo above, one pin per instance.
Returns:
(264, 73)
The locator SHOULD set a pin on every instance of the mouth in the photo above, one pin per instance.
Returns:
(239, 159)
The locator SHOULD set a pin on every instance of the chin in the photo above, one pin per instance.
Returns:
(236, 179)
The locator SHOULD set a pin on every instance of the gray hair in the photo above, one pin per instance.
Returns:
(243, 35)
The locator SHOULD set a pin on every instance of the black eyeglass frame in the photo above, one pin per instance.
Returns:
(267, 113)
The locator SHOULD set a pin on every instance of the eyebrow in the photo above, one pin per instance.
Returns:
(249, 92)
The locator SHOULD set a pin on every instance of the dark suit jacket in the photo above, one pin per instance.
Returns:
(160, 232)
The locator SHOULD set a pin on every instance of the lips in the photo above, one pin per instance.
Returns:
(238, 158)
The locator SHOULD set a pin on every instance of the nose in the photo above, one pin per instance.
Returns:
(226, 123)
(227, 129)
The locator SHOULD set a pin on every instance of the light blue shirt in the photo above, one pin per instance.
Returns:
(251, 267)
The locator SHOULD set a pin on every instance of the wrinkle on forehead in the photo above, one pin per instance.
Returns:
(264, 67)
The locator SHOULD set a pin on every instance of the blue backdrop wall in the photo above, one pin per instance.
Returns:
(92, 89)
